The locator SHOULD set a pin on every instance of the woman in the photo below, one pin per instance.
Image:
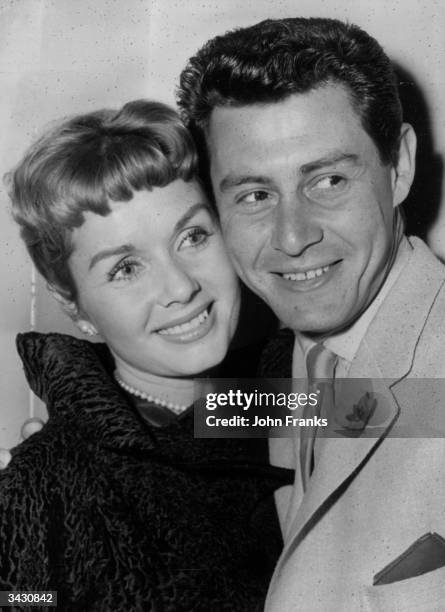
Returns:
(114, 504)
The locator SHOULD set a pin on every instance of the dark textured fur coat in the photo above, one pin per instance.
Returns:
(116, 515)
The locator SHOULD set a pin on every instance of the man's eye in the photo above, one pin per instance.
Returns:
(127, 269)
(194, 237)
(329, 182)
(254, 197)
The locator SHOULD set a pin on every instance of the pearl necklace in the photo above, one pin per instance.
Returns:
(176, 408)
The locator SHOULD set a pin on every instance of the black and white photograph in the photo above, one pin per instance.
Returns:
(222, 375)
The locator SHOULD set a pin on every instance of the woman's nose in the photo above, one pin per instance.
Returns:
(179, 285)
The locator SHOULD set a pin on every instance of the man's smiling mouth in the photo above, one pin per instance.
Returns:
(306, 278)
(307, 275)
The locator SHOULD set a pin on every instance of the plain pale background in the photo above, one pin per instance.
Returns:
(67, 56)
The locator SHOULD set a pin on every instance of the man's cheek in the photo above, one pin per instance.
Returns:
(242, 255)
(241, 264)
(232, 237)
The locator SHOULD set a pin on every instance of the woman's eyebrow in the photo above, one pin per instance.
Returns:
(123, 249)
(126, 249)
(189, 214)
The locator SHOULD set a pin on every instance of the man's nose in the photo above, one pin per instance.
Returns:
(177, 283)
(295, 227)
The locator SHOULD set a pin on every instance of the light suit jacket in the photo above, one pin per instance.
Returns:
(370, 499)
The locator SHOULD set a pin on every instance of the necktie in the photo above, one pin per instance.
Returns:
(320, 366)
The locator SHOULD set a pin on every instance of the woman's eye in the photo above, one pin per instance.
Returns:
(254, 197)
(125, 270)
(194, 237)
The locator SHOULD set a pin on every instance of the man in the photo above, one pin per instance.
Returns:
(309, 161)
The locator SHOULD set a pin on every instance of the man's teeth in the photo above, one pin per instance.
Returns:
(187, 327)
(302, 276)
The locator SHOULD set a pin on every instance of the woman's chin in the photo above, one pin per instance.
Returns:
(193, 355)
(197, 359)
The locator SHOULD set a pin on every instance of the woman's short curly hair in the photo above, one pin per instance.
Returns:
(84, 162)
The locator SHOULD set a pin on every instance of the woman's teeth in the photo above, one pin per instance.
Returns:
(187, 327)
(302, 276)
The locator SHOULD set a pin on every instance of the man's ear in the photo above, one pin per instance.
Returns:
(403, 173)
(72, 310)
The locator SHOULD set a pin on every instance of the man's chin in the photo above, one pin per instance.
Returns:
(313, 324)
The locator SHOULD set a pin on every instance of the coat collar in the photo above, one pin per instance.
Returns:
(74, 379)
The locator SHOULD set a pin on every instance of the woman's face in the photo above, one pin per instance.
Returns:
(154, 280)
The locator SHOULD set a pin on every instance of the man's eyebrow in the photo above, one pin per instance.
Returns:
(189, 214)
(329, 160)
(236, 180)
(123, 249)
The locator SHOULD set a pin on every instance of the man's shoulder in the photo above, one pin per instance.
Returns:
(422, 257)
(421, 284)
(409, 327)
(425, 271)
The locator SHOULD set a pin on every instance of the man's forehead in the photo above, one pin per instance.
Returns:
(298, 115)
(303, 133)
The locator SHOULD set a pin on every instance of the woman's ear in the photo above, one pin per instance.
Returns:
(72, 310)
(406, 164)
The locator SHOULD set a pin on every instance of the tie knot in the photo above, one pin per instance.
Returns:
(320, 363)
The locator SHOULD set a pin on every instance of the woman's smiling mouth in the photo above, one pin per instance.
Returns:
(192, 328)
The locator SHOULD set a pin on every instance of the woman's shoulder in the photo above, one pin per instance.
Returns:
(43, 461)
(60, 366)
(88, 412)
(65, 373)
(74, 378)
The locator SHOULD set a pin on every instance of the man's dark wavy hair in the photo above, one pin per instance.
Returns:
(274, 59)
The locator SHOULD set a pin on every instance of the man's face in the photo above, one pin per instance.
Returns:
(306, 205)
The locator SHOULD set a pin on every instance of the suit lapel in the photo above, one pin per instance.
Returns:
(339, 459)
